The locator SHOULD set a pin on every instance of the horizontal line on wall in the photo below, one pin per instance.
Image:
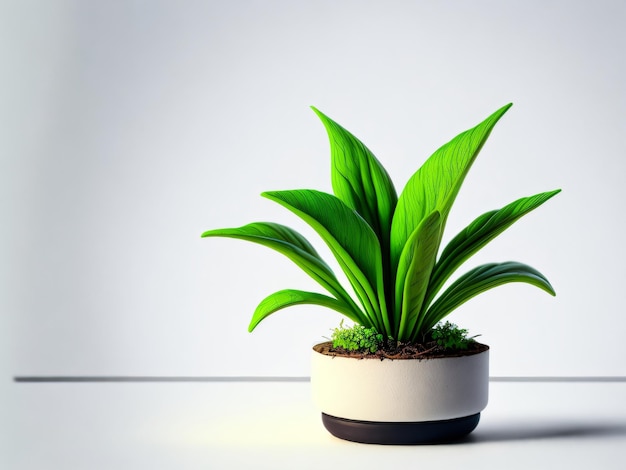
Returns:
(142, 378)
(590, 379)
(226, 379)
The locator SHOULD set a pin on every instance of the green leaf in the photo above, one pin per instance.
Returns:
(296, 247)
(477, 234)
(350, 239)
(267, 232)
(479, 280)
(435, 185)
(290, 297)
(416, 263)
(359, 180)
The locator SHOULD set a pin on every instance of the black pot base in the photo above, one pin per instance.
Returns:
(401, 433)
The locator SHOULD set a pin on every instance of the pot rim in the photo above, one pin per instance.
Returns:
(382, 356)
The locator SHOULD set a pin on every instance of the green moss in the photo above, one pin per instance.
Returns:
(449, 336)
(356, 338)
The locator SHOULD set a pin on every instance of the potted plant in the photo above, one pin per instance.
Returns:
(399, 376)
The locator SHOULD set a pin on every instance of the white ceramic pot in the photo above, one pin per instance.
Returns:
(400, 401)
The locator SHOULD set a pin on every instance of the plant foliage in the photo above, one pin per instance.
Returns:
(448, 336)
(387, 245)
(357, 338)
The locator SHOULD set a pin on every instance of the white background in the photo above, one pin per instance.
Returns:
(130, 127)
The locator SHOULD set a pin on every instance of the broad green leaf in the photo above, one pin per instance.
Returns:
(350, 239)
(289, 297)
(293, 245)
(259, 232)
(477, 234)
(435, 185)
(479, 280)
(359, 180)
(416, 263)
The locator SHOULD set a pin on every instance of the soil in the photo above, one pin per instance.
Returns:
(402, 351)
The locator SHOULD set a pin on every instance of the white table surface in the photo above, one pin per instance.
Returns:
(274, 425)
